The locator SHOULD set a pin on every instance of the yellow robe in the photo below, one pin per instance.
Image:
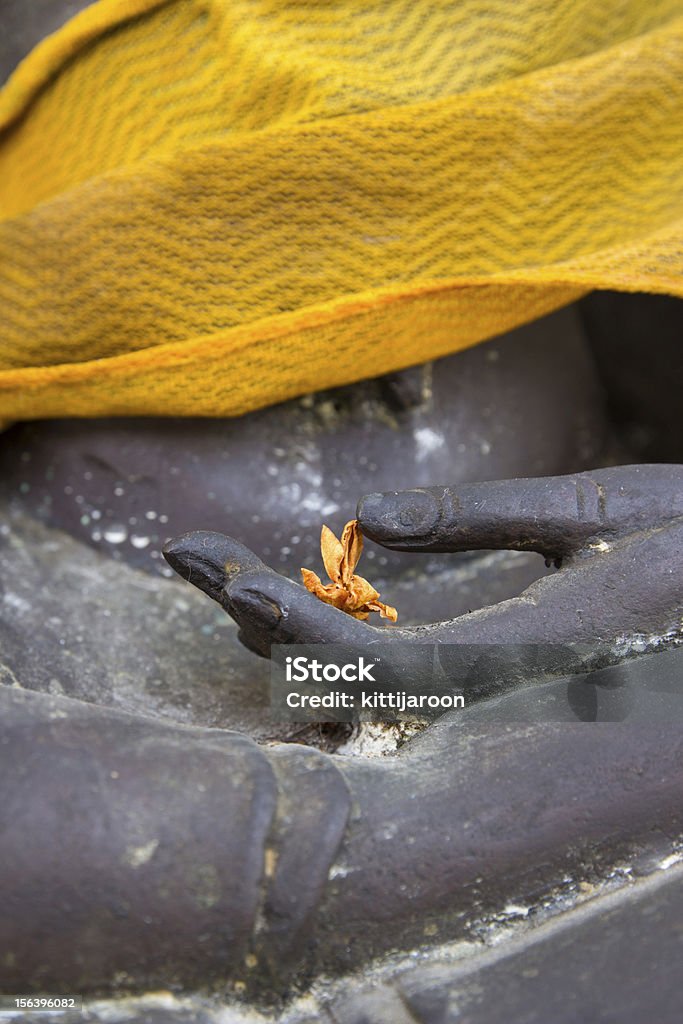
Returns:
(207, 206)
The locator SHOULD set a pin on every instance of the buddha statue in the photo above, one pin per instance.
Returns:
(160, 831)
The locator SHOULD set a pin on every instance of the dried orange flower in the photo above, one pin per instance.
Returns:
(348, 592)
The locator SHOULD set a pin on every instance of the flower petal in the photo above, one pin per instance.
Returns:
(333, 554)
(349, 593)
(352, 545)
(385, 610)
(361, 591)
(313, 583)
(330, 593)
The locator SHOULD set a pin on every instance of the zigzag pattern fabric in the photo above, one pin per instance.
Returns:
(207, 206)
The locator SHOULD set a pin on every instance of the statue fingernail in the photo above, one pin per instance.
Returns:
(398, 515)
(209, 560)
(253, 606)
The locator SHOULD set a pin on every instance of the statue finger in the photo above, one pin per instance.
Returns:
(630, 586)
(268, 607)
(555, 516)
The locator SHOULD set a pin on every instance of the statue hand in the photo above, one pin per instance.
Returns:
(616, 536)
